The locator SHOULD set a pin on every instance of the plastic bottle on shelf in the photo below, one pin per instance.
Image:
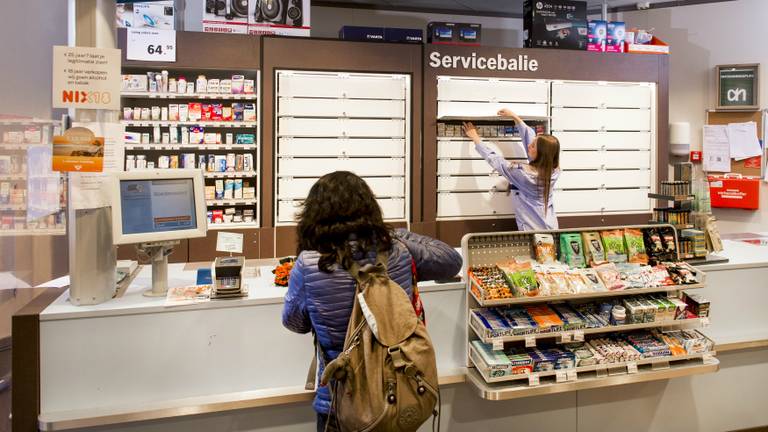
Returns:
(619, 315)
(181, 85)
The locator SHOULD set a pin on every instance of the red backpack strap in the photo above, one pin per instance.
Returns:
(418, 306)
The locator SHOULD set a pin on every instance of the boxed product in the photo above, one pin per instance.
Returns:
(218, 216)
(357, 33)
(195, 110)
(134, 83)
(696, 304)
(521, 361)
(229, 188)
(249, 112)
(596, 35)
(283, 17)
(546, 319)
(210, 193)
(242, 138)
(555, 24)
(491, 322)
(238, 189)
(495, 362)
(614, 41)
(404, 35)
(448, 33)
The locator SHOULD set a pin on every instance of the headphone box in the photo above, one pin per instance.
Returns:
(355, 33)
(555, 24)
(404, 35)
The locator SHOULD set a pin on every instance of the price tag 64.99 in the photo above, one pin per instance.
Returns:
(148, 44)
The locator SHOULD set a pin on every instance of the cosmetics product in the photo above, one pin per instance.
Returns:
(248, 86)
(218, 138)
(231, 161)
(182, 85)
(248, 162)
(164, 113)
(130, 162)
(163, 162)
(156, 134)
(166, 138)
(210, 193)
(238, 189)
(135, 83)
(145, 138)
(213, 85)
(229, 138)
(238, 82)
(219, 189)
(202, 163)
(195, 111)
(249, 112)
(190, 88)
(211, 163)
(209, 138)
(188, 160)
(132, 138)
(174, 132)
(202, 84)
(183, 112)
(226, 113)
(127, 113)
(225, 86)
(174, 161)
(141, 162)
(159, 79)
(173, 112)
(137, 113)
(229, 188)
(184, 135)
(145, 113)
(164, 81)
(221, 163)
(155, 113)
(152, 84)
(172, 85)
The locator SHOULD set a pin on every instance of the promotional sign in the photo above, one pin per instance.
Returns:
(86, 78)
(78, 150)
(229, 242)
(148, 44)
(737, 86)
(260, 17)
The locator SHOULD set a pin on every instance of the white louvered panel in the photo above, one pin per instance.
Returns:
(593, 119)
(598, 179)
(571, 94)
(341, 86)
(488, 109)
(466, 149)
(570, 160)
(335, 147)
(392, 209)
(491, 90)
(312, 127)
(298, 188)
(624, 200)
(353, 108)
(471, 183)
(604, 140)
(578, 201)
(316, 167)
(464, 167)
(473, 204)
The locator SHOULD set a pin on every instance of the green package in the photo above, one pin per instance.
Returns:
(613, 242)
(572, 250)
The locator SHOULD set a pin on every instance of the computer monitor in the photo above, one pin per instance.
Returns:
(155, 209)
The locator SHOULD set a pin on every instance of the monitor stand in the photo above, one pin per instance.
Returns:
(158, 257)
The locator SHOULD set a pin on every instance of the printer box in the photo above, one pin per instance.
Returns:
(614, 41)
(446, 33)
(555, 24)
(596, 35)
(355, 33)
(404, 35)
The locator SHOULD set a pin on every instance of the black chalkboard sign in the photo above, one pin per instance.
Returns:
(737, 87)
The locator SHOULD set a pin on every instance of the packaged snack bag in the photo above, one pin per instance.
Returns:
(593, 280)
(613, 242)
(635, 246)
(522, 279)
(545, 248)
(610, 276)
(593, 248)
(572, 250)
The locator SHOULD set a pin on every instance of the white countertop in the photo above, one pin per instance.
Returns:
(740, 255)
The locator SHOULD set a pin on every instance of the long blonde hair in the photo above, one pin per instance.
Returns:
(547, 160)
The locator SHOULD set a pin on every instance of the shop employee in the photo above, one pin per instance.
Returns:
(533, 182)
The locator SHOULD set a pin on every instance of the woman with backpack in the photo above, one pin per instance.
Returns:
(340, 224)
(533, 183)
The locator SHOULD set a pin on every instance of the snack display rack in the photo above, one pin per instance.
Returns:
(495, 382)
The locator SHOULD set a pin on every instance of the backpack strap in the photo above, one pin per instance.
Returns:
(359, 272)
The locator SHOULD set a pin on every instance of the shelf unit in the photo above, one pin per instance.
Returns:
(153, 151)
(329, 121)
(491, 248)
(606, 131)
(32, 197)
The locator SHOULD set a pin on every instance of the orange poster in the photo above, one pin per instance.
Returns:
(78, 150)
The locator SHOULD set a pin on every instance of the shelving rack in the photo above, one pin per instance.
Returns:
(329, 121)
(32, 197)
(491, 248)
(152, 151)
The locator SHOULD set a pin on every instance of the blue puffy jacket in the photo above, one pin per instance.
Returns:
(323, 301)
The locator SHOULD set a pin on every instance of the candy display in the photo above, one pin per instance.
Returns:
(610, 276)
(521, 278)
(491, 280)
(613, 242)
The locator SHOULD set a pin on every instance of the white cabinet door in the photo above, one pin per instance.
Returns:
(391, 208)
(473, 204)
(604, 140)
(472, 183)
(492, 90)
(601, 95)
(488, 109)
(598, 159)
(286, 210)
(621, 200)
(298, 188)
(312, 127)
(316, 167)
(604, 179)
(593, 119)
(341, 86)
(352, 108)
(464, 167)
(335, 147)
(627, 159)
(466, 149)
(578, 201)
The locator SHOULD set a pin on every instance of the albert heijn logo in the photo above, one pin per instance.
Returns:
(74, 96)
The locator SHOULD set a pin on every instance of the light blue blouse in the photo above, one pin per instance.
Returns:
(526, 195)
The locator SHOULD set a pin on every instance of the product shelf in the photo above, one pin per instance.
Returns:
(20, 146)
(586, 295)
(231, 174)
(233, 225)
(164, 123)
(589, 380)
(230, 202)
(28, 122)
(226, 96)
(491, 139)
(32, 232)
(158, 147)
(12, 177)
(483, 335)
(599, 369)
(676, 198)
(495, 119)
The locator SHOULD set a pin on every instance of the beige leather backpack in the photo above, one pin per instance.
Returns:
(386, 377)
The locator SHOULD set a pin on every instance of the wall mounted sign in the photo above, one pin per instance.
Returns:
(738, 87)
(86, 78)
(520, 63)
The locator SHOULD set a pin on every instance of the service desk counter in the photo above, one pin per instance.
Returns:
(134, 364)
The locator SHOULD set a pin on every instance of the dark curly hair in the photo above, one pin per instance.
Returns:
(341, 205)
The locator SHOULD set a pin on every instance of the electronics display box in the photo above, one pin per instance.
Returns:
(445, 33)
(262, 17)
(555, 24)
(381, 34)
